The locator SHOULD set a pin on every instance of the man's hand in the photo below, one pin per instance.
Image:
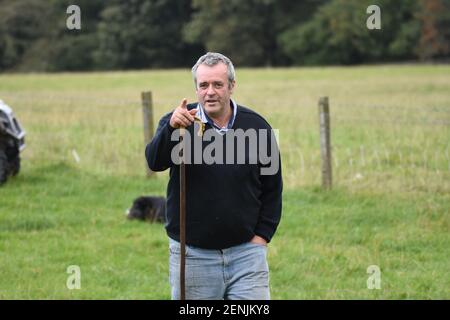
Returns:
(259, 240)
(182, 117)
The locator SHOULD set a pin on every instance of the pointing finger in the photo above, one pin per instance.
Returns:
(184, 103)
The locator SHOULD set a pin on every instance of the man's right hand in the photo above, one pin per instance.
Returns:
(181, 116)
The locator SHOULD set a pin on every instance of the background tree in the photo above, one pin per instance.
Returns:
(235, 28)
(136, 34)
(22, 23)
(435, 33)
(337, 34)
(142, 34)
(74, 49)
(247, 31)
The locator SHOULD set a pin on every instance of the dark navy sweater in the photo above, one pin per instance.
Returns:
(226, 204)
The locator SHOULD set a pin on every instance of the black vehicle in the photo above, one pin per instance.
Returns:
(12, 142)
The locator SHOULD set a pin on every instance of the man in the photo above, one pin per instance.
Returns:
(232, 208)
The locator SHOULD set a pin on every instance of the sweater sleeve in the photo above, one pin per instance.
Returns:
(159, 149)
(271, 197)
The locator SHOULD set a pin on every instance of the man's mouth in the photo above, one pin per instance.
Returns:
(210, 101)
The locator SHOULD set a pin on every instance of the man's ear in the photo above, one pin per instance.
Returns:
(232, 84)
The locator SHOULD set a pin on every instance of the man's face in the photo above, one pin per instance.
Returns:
(213, 90)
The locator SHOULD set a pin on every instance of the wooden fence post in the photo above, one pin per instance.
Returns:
(147, 108)
(325, 144)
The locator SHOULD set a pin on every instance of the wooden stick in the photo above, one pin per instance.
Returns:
(182, 218)
(183, 207)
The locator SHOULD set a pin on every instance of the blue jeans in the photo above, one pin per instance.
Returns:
(237, 273)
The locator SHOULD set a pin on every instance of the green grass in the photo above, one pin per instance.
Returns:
(389, 207)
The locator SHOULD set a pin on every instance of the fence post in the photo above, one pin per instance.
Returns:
(325, 144)
(147, 108)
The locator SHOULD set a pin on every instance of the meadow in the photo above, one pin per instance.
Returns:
(84, 164)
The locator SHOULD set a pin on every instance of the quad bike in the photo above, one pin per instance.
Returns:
(12, 142)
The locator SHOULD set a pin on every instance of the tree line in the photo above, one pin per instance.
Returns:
(135, 34)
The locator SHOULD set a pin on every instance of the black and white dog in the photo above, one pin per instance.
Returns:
(152, 209)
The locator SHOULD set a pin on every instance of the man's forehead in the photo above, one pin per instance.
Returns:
(205, 72)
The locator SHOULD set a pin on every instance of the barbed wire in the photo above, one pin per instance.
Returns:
(105, 104)
(443, 109)
(402, 121)
(84, 101)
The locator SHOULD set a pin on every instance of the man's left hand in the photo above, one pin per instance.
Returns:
(259, 240)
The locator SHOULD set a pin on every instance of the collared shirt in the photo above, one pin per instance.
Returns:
(205, 119)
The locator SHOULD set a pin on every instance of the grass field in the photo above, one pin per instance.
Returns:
(389, 206)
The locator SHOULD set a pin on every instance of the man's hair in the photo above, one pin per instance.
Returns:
(211, 59)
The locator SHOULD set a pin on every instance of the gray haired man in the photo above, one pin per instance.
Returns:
(232, 208)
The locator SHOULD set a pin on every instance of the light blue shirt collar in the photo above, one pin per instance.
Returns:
(205, 119)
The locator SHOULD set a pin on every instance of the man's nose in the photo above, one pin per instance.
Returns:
(210, 90)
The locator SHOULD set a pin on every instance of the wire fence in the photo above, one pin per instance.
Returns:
(407, 145)
(369, 142)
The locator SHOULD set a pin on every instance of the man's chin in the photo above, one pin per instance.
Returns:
(211, 104)
(211, 107)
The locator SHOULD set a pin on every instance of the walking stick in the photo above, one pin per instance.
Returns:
(183, 207)
(182, 217)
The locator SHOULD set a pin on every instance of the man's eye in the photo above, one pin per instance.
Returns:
(218, 85)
